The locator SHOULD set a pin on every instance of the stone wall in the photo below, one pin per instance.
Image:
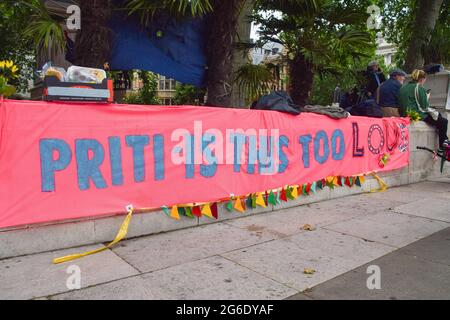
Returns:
(40, 238)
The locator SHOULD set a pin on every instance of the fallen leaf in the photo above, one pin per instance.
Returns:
(308, 227)
(309, 271)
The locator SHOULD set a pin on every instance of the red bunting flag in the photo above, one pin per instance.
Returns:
(196, 211)
(214, 210)
(283, 195)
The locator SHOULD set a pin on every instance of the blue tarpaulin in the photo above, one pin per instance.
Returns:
(176, 51)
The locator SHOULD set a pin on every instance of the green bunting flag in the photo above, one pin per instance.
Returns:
(314, 187)
(248, 202)
(181, 211)
(166, 210)
(278, 198)
(188, 211)
(271, 198)
(253, 196)
(230, 206)
(320, 185)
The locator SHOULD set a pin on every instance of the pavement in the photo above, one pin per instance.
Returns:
(404, 232)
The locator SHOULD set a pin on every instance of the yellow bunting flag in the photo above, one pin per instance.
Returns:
(206, 211)
(120, 235)
(294, 192)
(362, 179)
(238, 205)
(335, 181)
(174, 213)
(260, 200)
(383, 185)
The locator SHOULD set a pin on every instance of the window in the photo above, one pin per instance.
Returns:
(166, 84)
(167, 101)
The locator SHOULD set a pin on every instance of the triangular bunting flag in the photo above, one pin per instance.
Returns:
(196, 211)
(181, 211)
(206, 210)
(188, 211)
(238, 205)
(214, 210)
(278, 197)
(347, 182)
(253, 200)
(283, 195)
(314, 187)
(166, 210)
(358, 181)
(362, 179)
(271, 198)
(339, 181)
(320, 185)
(174, 213)
(304, 190)
(335, 181)
(308, 188)
(260, 200)
(294, 192)
(248, 202)
(289, 193)
(351, 181)
(229, 206)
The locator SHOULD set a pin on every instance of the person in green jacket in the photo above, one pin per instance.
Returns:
(413, 97)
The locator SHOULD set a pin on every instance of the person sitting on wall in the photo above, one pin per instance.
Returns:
(414, 98)
(387, 94)
(374, 77)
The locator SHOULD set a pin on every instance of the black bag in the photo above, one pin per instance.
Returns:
(367, 108)
(277, 101)
(433, 68)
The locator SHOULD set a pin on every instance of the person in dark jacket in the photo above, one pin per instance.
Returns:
(374, 77)
(388, 92)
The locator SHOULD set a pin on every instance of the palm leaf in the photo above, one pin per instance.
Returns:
(253, 81)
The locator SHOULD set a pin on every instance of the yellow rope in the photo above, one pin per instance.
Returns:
(383, 185)
(120, 235)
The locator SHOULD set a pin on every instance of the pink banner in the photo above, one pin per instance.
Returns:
(65, 160)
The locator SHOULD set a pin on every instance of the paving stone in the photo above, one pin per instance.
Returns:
(286, 222)
(434, 248)
(165, 250)
(389, 227)
(437, 209)
(327, 252)
(34, 276)
(213, 278)
(402, 277)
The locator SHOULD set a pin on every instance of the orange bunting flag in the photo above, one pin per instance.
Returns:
(335, 181)
(174, 213)
(362, 179)
(238, 205)
(206, 211)
(260, 200)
